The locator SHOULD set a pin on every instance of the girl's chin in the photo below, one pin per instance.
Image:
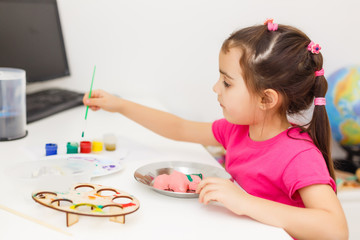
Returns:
(228, 118)
(231, 120)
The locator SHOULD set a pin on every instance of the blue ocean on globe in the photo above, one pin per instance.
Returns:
(343, 105)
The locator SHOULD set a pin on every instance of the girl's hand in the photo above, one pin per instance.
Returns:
(223, 191)
(102, 100)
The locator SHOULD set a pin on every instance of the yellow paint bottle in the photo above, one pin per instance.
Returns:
(97, 146)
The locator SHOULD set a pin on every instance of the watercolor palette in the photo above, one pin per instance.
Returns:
(57, 174)
(104, 165)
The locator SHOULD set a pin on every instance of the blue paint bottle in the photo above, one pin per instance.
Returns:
(51, 149)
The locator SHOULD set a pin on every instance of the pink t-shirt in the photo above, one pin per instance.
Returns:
(273, 169)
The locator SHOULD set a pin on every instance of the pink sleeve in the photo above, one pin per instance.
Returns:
(307, 168)
(221, 129)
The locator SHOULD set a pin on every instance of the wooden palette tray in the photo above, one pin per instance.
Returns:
(92, 202)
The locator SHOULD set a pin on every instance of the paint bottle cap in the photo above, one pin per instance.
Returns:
(85, 147)
(51, 149)
(72, 147)
(97, 146)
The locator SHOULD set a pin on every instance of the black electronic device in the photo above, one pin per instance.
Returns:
(50, 101)
(31, 38)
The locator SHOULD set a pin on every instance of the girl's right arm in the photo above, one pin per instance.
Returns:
(162, 123)
(323, 217)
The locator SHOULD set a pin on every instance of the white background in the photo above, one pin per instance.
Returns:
(168, 50)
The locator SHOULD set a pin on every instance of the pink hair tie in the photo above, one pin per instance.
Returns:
(271, 25)
(319, 73)
(319, 101)
(314, 47)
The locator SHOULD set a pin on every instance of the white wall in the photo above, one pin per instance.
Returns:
(168, 49)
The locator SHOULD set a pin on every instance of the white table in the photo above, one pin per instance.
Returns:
(159, 216)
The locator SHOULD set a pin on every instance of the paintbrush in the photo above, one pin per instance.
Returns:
(87, 107)
(33, 219)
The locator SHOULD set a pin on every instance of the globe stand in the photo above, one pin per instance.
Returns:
(352, 161)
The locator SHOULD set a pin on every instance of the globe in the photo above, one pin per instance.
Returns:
(343, 106)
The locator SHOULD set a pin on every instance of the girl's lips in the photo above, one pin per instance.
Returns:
(220, 104)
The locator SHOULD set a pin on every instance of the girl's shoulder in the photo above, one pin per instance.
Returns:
(223, 123)
(299, 138)
(298, 133)
(225, 132)
(226, 128)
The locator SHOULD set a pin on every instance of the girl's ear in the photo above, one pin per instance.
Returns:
(269, 100)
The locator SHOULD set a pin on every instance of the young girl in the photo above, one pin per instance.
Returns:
(266, 72)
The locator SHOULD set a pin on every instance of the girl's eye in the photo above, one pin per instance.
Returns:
(226, 84)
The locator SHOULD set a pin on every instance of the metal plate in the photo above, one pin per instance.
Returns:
(146, 174)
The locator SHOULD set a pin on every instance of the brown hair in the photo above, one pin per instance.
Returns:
(280, 60)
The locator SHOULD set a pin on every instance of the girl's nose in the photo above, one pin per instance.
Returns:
(215, 87)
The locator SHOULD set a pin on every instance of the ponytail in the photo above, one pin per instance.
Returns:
(319, 127)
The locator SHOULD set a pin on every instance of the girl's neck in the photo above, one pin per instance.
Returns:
(268, 128)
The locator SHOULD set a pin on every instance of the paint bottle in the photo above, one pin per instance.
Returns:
(110, 142)
(72, 147)
(97, 146)
(85, 147)
(51, 149)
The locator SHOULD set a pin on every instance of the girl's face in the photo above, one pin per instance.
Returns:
(239, 106)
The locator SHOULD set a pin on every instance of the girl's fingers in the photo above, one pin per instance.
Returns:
(210, 196)
(86, 96)
(94, 94)
(209, 193)
(94, 108)
(207, 189)
(205, 181)
(208, 180)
